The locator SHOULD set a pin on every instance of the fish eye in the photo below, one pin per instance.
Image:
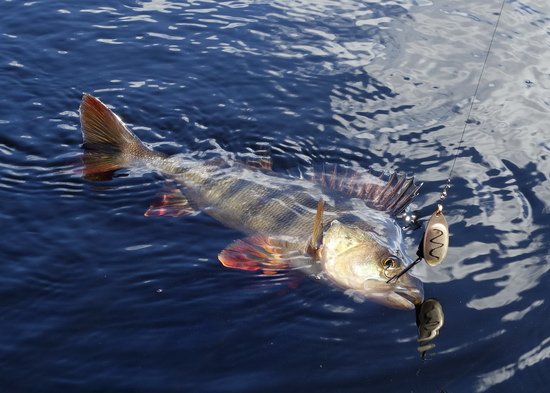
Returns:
(389, 263)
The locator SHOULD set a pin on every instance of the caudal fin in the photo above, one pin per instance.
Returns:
(109, 144)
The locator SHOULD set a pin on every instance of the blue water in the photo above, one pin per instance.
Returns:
(95, 297)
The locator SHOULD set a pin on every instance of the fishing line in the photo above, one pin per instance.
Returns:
(457, 148)
(435, 241)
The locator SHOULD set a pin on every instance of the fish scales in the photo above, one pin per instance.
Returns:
(239, 197)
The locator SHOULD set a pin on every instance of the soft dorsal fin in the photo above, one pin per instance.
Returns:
(392, 195)
(261, 161)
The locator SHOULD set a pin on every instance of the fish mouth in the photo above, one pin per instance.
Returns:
(406, 298)
(406, 294)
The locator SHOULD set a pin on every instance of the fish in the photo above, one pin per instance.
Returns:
(335, 224)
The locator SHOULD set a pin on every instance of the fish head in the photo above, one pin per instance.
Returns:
(356, 260)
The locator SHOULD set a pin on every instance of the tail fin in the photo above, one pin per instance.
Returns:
(109, 144)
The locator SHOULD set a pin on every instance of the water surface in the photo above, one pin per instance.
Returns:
(97, 297)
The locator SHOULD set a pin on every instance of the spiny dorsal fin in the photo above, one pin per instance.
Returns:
(396, 194)
(392, 195)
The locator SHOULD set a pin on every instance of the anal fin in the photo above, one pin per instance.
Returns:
(171, 203)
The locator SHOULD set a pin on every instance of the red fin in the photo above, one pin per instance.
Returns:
(172, 204)
(261, 161)
(256, 253)
(103, 130)
(392, 195)
(109, 144)
(100, 166)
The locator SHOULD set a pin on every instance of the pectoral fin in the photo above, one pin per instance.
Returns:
(257, 253)
(171, 203)
(317, 234)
